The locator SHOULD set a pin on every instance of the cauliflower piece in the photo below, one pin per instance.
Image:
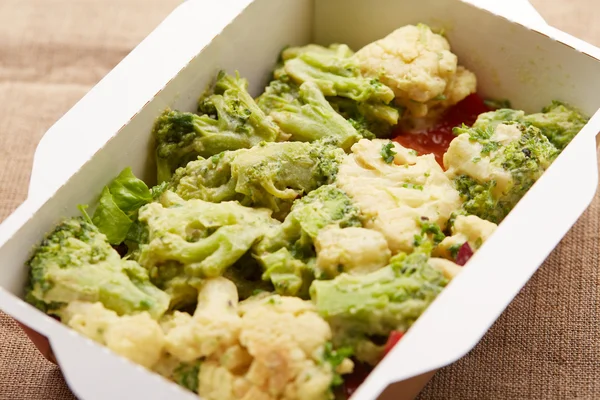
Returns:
(351, 250)
(214, 326)
(466, 228)
(279, 356)
(446, 267)
(418, 66)
(138, 337)
(395, 197)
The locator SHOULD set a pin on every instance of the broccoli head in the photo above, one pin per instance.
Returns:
(305, 114)
(205, 238)
(363, 308)
(559, 122)
(271, 175)
(494, 165)
(229, 120)
(76, 263)
(371, 120)
(287, 252)
(335, 72)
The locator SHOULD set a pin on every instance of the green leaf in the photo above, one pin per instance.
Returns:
(110, 219)
(138, 232)
(129, 193)
(83, 210)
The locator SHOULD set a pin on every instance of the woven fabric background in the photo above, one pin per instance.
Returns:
(545, 346)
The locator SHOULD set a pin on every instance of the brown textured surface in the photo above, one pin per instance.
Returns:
(52, 51)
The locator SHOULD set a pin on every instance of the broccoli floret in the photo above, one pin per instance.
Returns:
(494, 165)
(491, 119)
(76, 262)
(305, 114)
(246, 273)
(271, 175)
(229, 120)
(287, 252)
(335, 72)
(362, 308)
(559, 122)
(371, 120)
(205, 238)
(172, 278)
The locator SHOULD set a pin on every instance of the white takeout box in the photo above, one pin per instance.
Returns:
(174, 65)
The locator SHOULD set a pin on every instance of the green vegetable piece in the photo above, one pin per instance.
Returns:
(186, 375)
(361, 308)
(129, 193)
(287, 254)
(496, 104)
(335, 357)
(525, 159)
(229, 120)
(272, 175)
(305, 114)
(559, 122)
(116, 212)
(110, 219)
(335, 72)
(371, 120)
(247, 273)
(76, 262)
(205, 238)
(388, 153)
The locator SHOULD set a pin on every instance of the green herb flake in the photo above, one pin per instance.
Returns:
(335, 357)
(388, 152)
(454, 250)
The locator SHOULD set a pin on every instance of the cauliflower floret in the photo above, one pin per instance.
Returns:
(136, 337)
(446, 267)
(466, 228)
(279, 355)
(418, 66)
(351, 250)
(394, 198)
(214, 326)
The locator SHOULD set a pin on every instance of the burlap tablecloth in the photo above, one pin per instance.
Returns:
(546, 344)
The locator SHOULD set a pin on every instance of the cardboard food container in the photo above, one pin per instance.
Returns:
(530, 65)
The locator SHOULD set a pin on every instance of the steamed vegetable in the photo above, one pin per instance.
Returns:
(493, 165)
(229, 119)
(272, 175)
(205, 238)
(335, 72)
(75, 262)
(361, 308)
(287, 251)
(305, 114)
